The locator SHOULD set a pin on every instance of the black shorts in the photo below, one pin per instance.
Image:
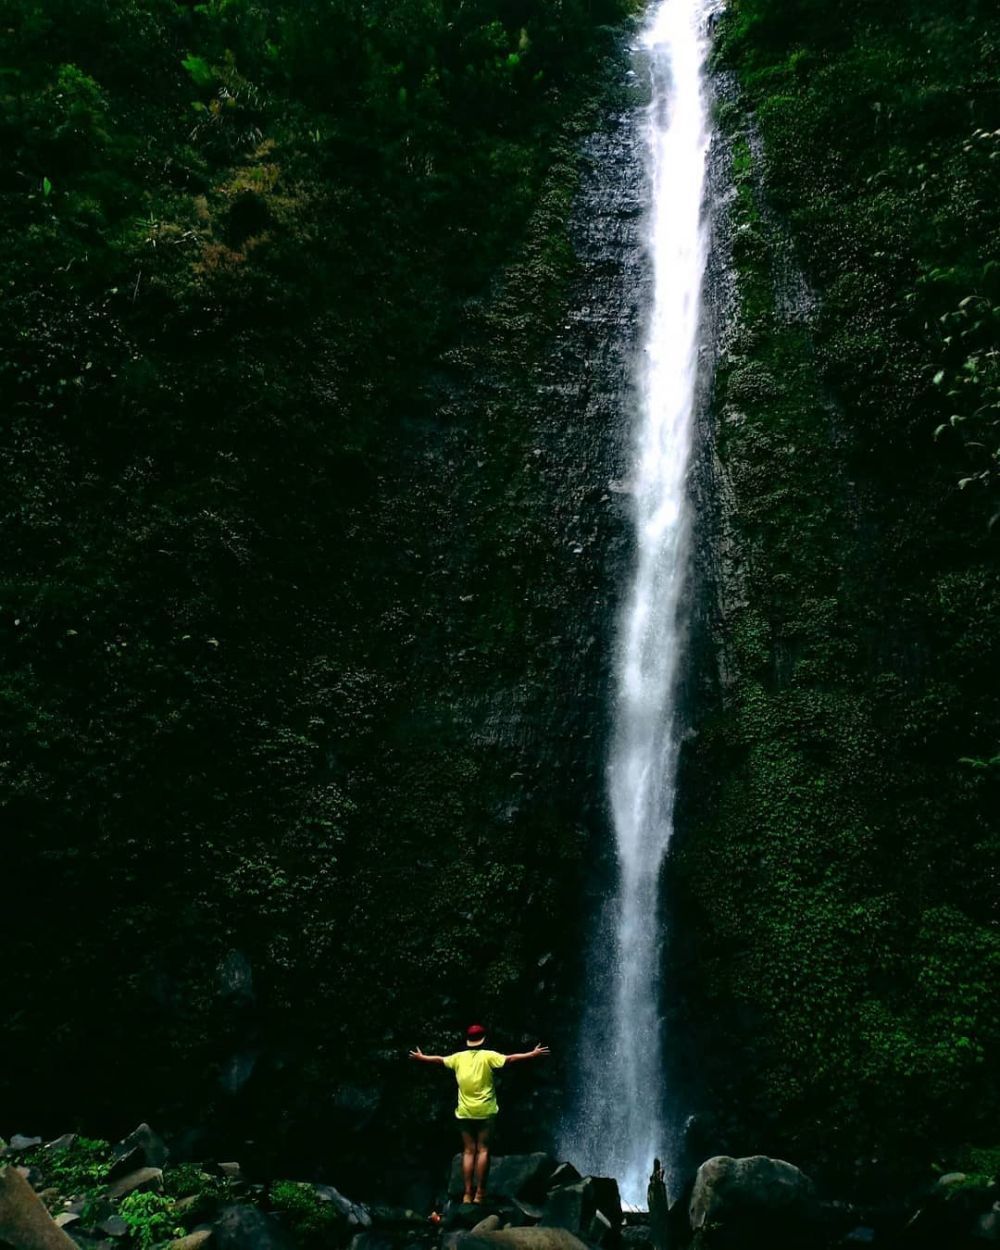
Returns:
(473, 1126)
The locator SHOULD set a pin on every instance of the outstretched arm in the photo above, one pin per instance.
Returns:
(529, 1054)
(417, 1053)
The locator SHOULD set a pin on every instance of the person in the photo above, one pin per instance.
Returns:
(477, 1102)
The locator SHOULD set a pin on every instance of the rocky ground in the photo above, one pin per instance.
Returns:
(75, 1193)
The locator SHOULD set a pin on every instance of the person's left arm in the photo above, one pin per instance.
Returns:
(537, 1053)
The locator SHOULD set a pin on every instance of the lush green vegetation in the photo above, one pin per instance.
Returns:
(278, 561)
(312, 1222)
(276, 277)
(840, 862)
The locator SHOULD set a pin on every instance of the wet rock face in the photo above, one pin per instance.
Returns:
(585, 405)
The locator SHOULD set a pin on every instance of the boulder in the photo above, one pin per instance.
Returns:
(575, 1207)
(490, 1225)
(462, 1217)
(954, 1212)
(740, 1202)
(238, 1226)
(20, 1142)
(113, 1225)
(511, 1176)
(987, 1229)
(142, 1148)
(636, 1237)
(565, 1174)
(193, 1241)
(355, 1213)
(372, 1240)
(140, 1181)
(532, 1238)
(600, 1232)
(24, 1222)
(59, 1144)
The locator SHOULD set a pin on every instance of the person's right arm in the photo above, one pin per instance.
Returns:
(417, 1053)
(528, 1054)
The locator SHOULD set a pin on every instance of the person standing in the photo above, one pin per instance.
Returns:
(477, 1102)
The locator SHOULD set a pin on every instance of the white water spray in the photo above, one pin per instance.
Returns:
(624, 1111)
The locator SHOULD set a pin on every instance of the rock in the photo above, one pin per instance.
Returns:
(187, 1204)
(113, 1225)
(862, 1235)
(141, 1149)
(489, 1225)
(370, 1240)
(24, 1222)
(142, 1180)
(242, 1227)
(535, 1238)
(383, 1216)
(511, 1176)
(565, 1174)
(952, 1213)
(231, 1172)
(19, 1142)
(193, 1241)
(600, 1232)
(355, 1213)
(575, 1206)
(59, 1144)
(987, 1228)
(34, 1176)
(66, 1217)
(82, 1239)
(738, 1200)
(463, 1217)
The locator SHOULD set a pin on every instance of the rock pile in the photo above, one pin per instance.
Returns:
(75, 1194)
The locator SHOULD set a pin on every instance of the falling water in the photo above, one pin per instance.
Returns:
(624, 1109)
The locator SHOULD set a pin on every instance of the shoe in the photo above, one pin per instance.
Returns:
(467, 1198)
(479, 1199)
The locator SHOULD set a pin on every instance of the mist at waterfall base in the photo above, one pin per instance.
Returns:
(622, 1114)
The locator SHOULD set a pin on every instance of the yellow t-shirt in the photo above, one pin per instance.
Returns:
(473, 1070)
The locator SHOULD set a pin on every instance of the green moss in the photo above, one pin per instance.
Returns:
(832, 846)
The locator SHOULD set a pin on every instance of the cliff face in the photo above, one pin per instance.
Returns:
(312, 415)
(834, 881)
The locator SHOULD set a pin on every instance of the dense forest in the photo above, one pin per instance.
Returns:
(305, 577)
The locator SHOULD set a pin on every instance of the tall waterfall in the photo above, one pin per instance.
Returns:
(623, 1110)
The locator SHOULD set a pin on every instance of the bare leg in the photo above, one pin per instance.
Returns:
(468, 1162)
(483, 1159)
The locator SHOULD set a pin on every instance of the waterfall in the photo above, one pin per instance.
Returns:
(623, 1111)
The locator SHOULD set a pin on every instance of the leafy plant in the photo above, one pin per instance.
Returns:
(311, 1221)
(150, 1218)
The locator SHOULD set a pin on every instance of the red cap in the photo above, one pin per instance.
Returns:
(475, 1034)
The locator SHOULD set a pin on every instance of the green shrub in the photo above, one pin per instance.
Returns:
(311, 1221)
(150, 1218)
